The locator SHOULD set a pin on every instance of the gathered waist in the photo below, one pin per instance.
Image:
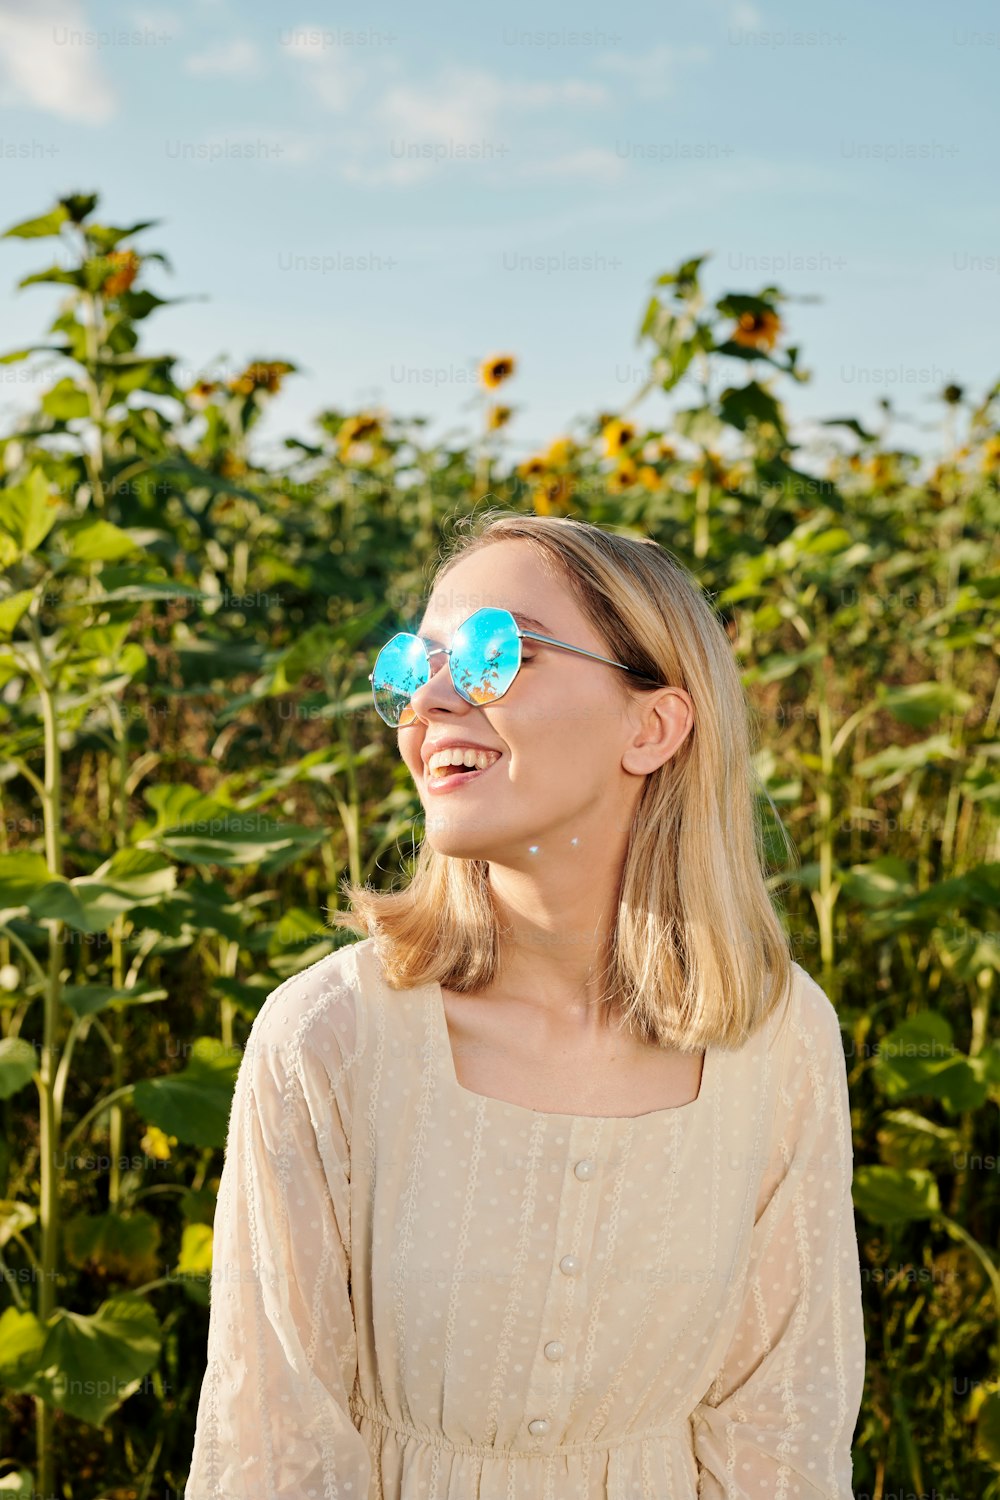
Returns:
(376, 1412)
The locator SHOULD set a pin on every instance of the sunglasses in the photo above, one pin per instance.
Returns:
(484, 658)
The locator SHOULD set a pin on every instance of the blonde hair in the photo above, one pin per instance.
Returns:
(698, 954)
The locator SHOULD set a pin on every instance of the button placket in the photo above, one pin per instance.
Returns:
(551, 1379)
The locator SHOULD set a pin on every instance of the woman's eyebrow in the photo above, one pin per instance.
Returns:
(527, 622)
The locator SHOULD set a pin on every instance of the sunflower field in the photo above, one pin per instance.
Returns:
(191, 763)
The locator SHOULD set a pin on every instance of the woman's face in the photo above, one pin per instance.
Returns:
(575, 744)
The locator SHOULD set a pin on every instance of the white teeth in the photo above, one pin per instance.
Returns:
(472, 759)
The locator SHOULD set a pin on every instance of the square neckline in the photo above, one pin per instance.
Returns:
(451, 1073)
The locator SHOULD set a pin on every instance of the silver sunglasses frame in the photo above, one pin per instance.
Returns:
(523, 635)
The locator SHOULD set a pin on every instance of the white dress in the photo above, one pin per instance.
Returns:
(422, 1293)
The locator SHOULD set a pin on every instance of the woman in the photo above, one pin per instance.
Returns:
(542, 1190)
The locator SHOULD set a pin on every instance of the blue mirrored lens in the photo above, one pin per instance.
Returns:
(485, 655)
(400, 668)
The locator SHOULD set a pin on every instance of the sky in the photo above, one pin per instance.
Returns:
(387, 195)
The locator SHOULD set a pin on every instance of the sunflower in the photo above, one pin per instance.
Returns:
(260, 375)
(757, 330)
(649, 478)
(361, 428)
(623, 477)
(123, 267)
(495, 370)
(497, 417)
(560, 452)
(617, 435)
(991, 455)
(659, 450)
(232, 466)
(533, 468)
(157, 1144)
(552, 494)
(202, 389)
(882, 468)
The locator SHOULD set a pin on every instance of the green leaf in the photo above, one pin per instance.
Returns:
(919, 1057)
(685, 278)
(94, 540)
(16, 355)
(880, 881)
(18, 1065)
(853, 424)
(194, 1105)
(12, 608)
(891, 765)
(22, 874)
(88, 999)
(36, 229)
(907, 1139)
(79, 205)
(895, 1195)
(107, 236)
(28, 511)
(987, 1440)
(87, 1365)
(776, 667)
(65, 401)
(700, 424)
(736, 303)
(54, 274)
(922, 703)
(742, 406)
(111, 1244)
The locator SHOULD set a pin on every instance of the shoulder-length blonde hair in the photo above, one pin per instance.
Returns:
(698, 955)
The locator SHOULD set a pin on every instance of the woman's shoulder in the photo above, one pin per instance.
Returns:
(317, 1011)
(813, 1017)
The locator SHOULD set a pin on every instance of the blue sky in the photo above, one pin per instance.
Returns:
(387, 195)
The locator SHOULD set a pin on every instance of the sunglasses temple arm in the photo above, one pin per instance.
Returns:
(578, 649)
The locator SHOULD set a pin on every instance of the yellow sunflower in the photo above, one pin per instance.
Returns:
(497, 417)
(533, 468)
(757, 330)
(124, 267)
(495, 370)
(260, 375)
(552, 494)
(560, 452)
(616, 437)
(361, 428)
(623, 477)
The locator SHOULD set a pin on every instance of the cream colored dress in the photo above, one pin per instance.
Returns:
(421, 1293)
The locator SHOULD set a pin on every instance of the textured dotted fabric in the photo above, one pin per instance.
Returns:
(422, 1293)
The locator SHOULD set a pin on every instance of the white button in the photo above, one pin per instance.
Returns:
(538, 1426)
(569, 1265)
(554, 1350)
(585, 1169)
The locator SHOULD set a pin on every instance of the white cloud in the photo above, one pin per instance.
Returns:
(465, 104)
(238, 58)
(593, 163)
(47, 62)
(652, 73)
(334, 81)
(159, 18)
(403, 130)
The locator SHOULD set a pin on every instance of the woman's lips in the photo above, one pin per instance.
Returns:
(458, 776)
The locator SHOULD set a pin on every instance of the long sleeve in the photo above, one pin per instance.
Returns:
(273, 1420)
(778, 1421)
